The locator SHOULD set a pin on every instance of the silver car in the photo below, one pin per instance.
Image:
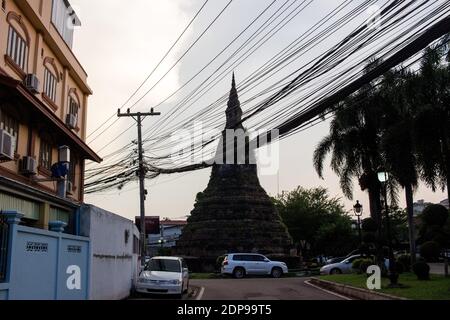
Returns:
(164, 275)
(242, 264)
(345, 266)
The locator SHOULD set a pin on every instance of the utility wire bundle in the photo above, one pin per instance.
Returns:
(291, 91)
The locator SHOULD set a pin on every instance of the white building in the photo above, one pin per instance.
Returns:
(170, 232)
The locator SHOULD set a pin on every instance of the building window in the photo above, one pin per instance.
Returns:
(73, 107)
(50, 83)
(64, 19)
(10, 125)
(45, 154)
(17, 48)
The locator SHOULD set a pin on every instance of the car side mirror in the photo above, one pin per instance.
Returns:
(266, 260)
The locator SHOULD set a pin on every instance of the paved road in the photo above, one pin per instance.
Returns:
(261, 289)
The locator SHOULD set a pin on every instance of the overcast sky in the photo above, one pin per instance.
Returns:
(120, 42)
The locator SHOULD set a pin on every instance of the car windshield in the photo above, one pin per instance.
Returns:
(164, 265)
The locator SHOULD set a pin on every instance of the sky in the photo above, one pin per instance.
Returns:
(120, 42)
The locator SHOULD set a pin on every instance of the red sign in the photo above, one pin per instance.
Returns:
(151, 225)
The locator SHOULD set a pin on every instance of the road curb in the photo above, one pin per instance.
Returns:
(308, 282)
(352, 292)
(196, 293)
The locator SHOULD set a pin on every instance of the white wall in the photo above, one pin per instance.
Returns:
(113, 263)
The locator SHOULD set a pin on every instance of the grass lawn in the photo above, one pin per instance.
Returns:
(438, 288)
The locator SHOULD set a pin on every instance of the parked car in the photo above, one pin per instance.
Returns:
(242, 264)
(335, 260)
(164, 275)
(345, 266)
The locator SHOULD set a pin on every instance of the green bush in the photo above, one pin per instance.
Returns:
(422, 270)
(365, 264)
(430, 250)
(361, 265)
(435, 215)
(357, 265)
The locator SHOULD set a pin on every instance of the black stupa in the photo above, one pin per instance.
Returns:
(234, 213)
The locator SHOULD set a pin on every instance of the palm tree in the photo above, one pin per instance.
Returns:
(354, 143)
(398, 146)
(432, 125)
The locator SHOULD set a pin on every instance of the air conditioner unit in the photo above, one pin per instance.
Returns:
(32, 83)
(71, 121)
(28, 166)
(7, 145)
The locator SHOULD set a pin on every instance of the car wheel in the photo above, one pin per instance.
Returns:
(239, 273)
(336, 271)
(276, 272)
(187, 288)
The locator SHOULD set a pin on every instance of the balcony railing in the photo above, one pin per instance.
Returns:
(4, 235)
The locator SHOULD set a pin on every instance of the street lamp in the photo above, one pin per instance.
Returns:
(358, 209)
(383, 177)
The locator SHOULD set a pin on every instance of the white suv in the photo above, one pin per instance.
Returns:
(242, 264)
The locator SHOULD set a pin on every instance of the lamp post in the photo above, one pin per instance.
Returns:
(358, 210)
(383, 177)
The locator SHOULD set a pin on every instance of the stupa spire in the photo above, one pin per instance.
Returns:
(234, 111)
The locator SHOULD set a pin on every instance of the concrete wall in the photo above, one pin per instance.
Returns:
(114, 264)
(41, 264)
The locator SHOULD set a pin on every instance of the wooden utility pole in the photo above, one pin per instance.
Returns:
(139, 117)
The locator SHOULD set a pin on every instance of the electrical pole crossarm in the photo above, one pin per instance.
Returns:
(137, 114)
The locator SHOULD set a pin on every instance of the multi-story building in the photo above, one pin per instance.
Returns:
(43, 108)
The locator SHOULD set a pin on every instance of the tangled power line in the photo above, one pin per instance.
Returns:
(288, 92)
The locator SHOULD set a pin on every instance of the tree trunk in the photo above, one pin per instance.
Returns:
(411, 225)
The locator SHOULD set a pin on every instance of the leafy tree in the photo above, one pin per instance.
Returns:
(435, 215)
(435, 225)
(314, 216)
